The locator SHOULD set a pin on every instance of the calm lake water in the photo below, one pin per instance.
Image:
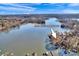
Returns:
(27, 38)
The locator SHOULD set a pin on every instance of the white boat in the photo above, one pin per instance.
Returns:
(53, 33)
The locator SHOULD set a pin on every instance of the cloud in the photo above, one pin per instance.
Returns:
(71, 8)
(74, 4)
(15, 5)
(15, 8)
(27, 8)
(66, 11)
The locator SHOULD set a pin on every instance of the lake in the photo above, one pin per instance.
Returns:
(27, 38)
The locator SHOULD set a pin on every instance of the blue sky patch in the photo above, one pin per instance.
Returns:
(39, 8)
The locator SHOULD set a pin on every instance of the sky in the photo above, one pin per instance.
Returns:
(39, 8)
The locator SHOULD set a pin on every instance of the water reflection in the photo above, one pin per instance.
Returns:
(57, 27)
(27, 39)
(52, 47)
(63, 52)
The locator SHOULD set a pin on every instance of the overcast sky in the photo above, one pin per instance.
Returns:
(38, 8)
